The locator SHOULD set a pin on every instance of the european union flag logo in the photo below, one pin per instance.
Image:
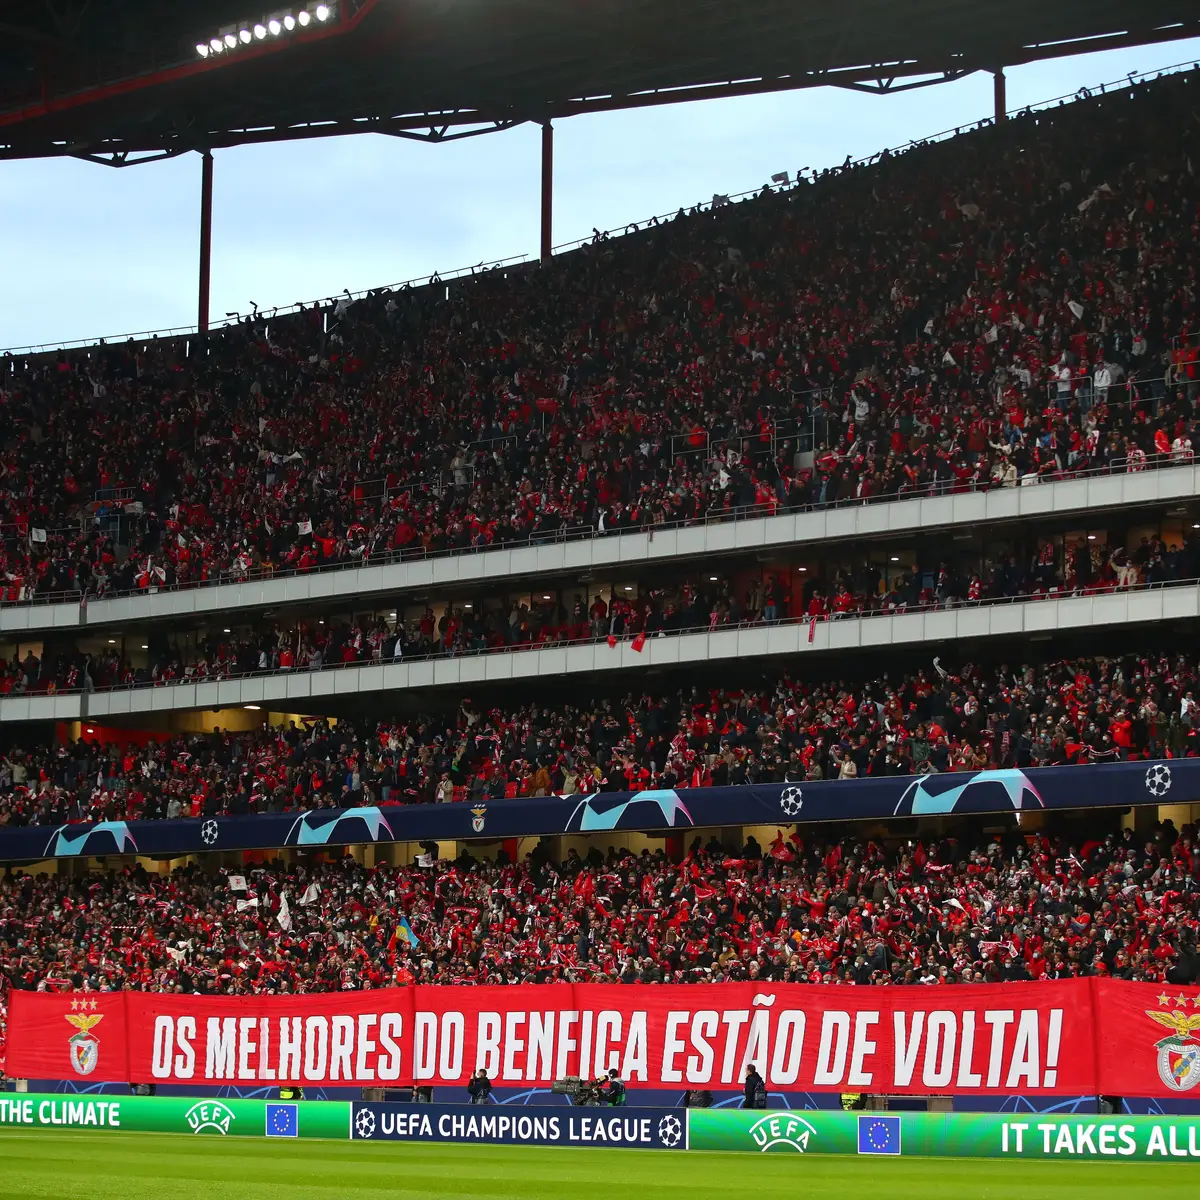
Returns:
(878, 1135)
(282, 1121)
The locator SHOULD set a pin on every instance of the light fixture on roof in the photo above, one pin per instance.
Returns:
(895, 558)
(145, 647)
(233, 37)
(252, 708)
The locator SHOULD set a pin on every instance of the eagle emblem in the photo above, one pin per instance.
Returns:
(1178, 1054)
(84, 1045)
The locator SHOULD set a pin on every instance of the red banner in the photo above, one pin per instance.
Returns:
(1147, 1038)
(997, 1039)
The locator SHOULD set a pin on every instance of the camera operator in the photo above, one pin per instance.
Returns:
(479, 1087)
(613, 1092)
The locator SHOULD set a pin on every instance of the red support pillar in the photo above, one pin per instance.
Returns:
(1001, 101)
(206, 190)
(547, 189)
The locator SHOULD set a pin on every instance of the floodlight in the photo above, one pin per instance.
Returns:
(260, 31)
(274, 26)
(202, 49)
(289, 22)
(245, 36)
(230, 41)
(304, 16)
(217, 45)
(322, 11)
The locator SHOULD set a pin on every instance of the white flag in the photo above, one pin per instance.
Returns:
(237, 883)
(991, 335)
(311, 893)
(948, 359)
(284, 915)
(242, 905)
(424, 860)
(37, 535)
(305, 527)
(1076, 308)
(929, 325)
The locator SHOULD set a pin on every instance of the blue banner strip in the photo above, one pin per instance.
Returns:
(1119, 785)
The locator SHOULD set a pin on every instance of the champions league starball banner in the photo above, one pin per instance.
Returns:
(1120, 785)
(1076, 1037)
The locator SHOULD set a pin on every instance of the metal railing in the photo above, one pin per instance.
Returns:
(713, 515)
(711, 628)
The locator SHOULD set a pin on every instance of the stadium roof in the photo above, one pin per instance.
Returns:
(122, 80)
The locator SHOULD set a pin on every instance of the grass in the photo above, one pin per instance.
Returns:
(39, 1165)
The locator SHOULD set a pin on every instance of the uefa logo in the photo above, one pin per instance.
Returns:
(782, 1131)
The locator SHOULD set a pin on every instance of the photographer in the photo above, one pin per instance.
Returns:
(479, 1087)
(613, 1093)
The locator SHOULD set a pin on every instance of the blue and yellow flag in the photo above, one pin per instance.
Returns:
(404, 933)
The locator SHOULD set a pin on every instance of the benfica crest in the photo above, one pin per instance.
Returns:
(478, 817)
(84, 1045)
(1178, 1055)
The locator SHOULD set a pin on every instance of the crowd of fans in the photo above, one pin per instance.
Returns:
(935, 720)
(852, 911)
(1012, 305)
(828, 590)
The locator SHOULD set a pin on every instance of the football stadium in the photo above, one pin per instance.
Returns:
(713, 709)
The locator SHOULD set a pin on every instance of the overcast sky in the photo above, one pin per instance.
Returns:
(87, 251)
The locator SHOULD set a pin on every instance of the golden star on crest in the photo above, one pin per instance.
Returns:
(1181, 1000)
(1164, 998)
(1196, 1001)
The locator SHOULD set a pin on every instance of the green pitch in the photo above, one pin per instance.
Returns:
(36, 1165)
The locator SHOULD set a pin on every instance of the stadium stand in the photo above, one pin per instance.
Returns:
(850, 910)
(999, 309)
(1003, 715)
(1010, 308)
(832, 586)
